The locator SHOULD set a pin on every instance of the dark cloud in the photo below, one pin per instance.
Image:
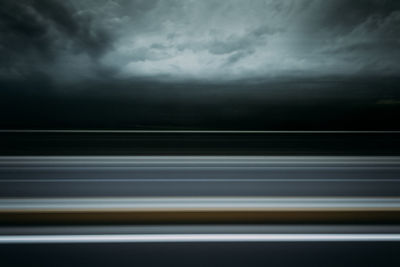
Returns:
(79, 28)
(22, 29)
(369, 38)
(348, 14)
(36, 33)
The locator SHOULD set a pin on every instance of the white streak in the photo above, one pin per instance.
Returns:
(199, 204)
(191, 238)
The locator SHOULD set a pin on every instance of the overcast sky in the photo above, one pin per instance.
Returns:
(200, 64)
(206, 40)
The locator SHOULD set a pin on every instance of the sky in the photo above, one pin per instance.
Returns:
(114, 47)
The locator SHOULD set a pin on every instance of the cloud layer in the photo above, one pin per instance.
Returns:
(209, 40)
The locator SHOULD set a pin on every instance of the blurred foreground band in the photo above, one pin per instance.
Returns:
(202, 189)
(200, 210)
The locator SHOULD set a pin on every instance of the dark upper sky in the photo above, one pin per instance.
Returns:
(168, 53)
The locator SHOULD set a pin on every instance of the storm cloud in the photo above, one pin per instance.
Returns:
(259, 64)
(47, 36)
(206, 40)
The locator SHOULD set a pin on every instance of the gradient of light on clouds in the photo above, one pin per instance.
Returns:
(222, 40)
(207, 40)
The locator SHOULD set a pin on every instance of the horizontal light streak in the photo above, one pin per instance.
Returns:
(199, 204)
(192, 238)
(196, 180)
(201, 159)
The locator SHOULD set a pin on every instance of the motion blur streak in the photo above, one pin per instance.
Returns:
(198, 176)
(201, 238)
(198, 204)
